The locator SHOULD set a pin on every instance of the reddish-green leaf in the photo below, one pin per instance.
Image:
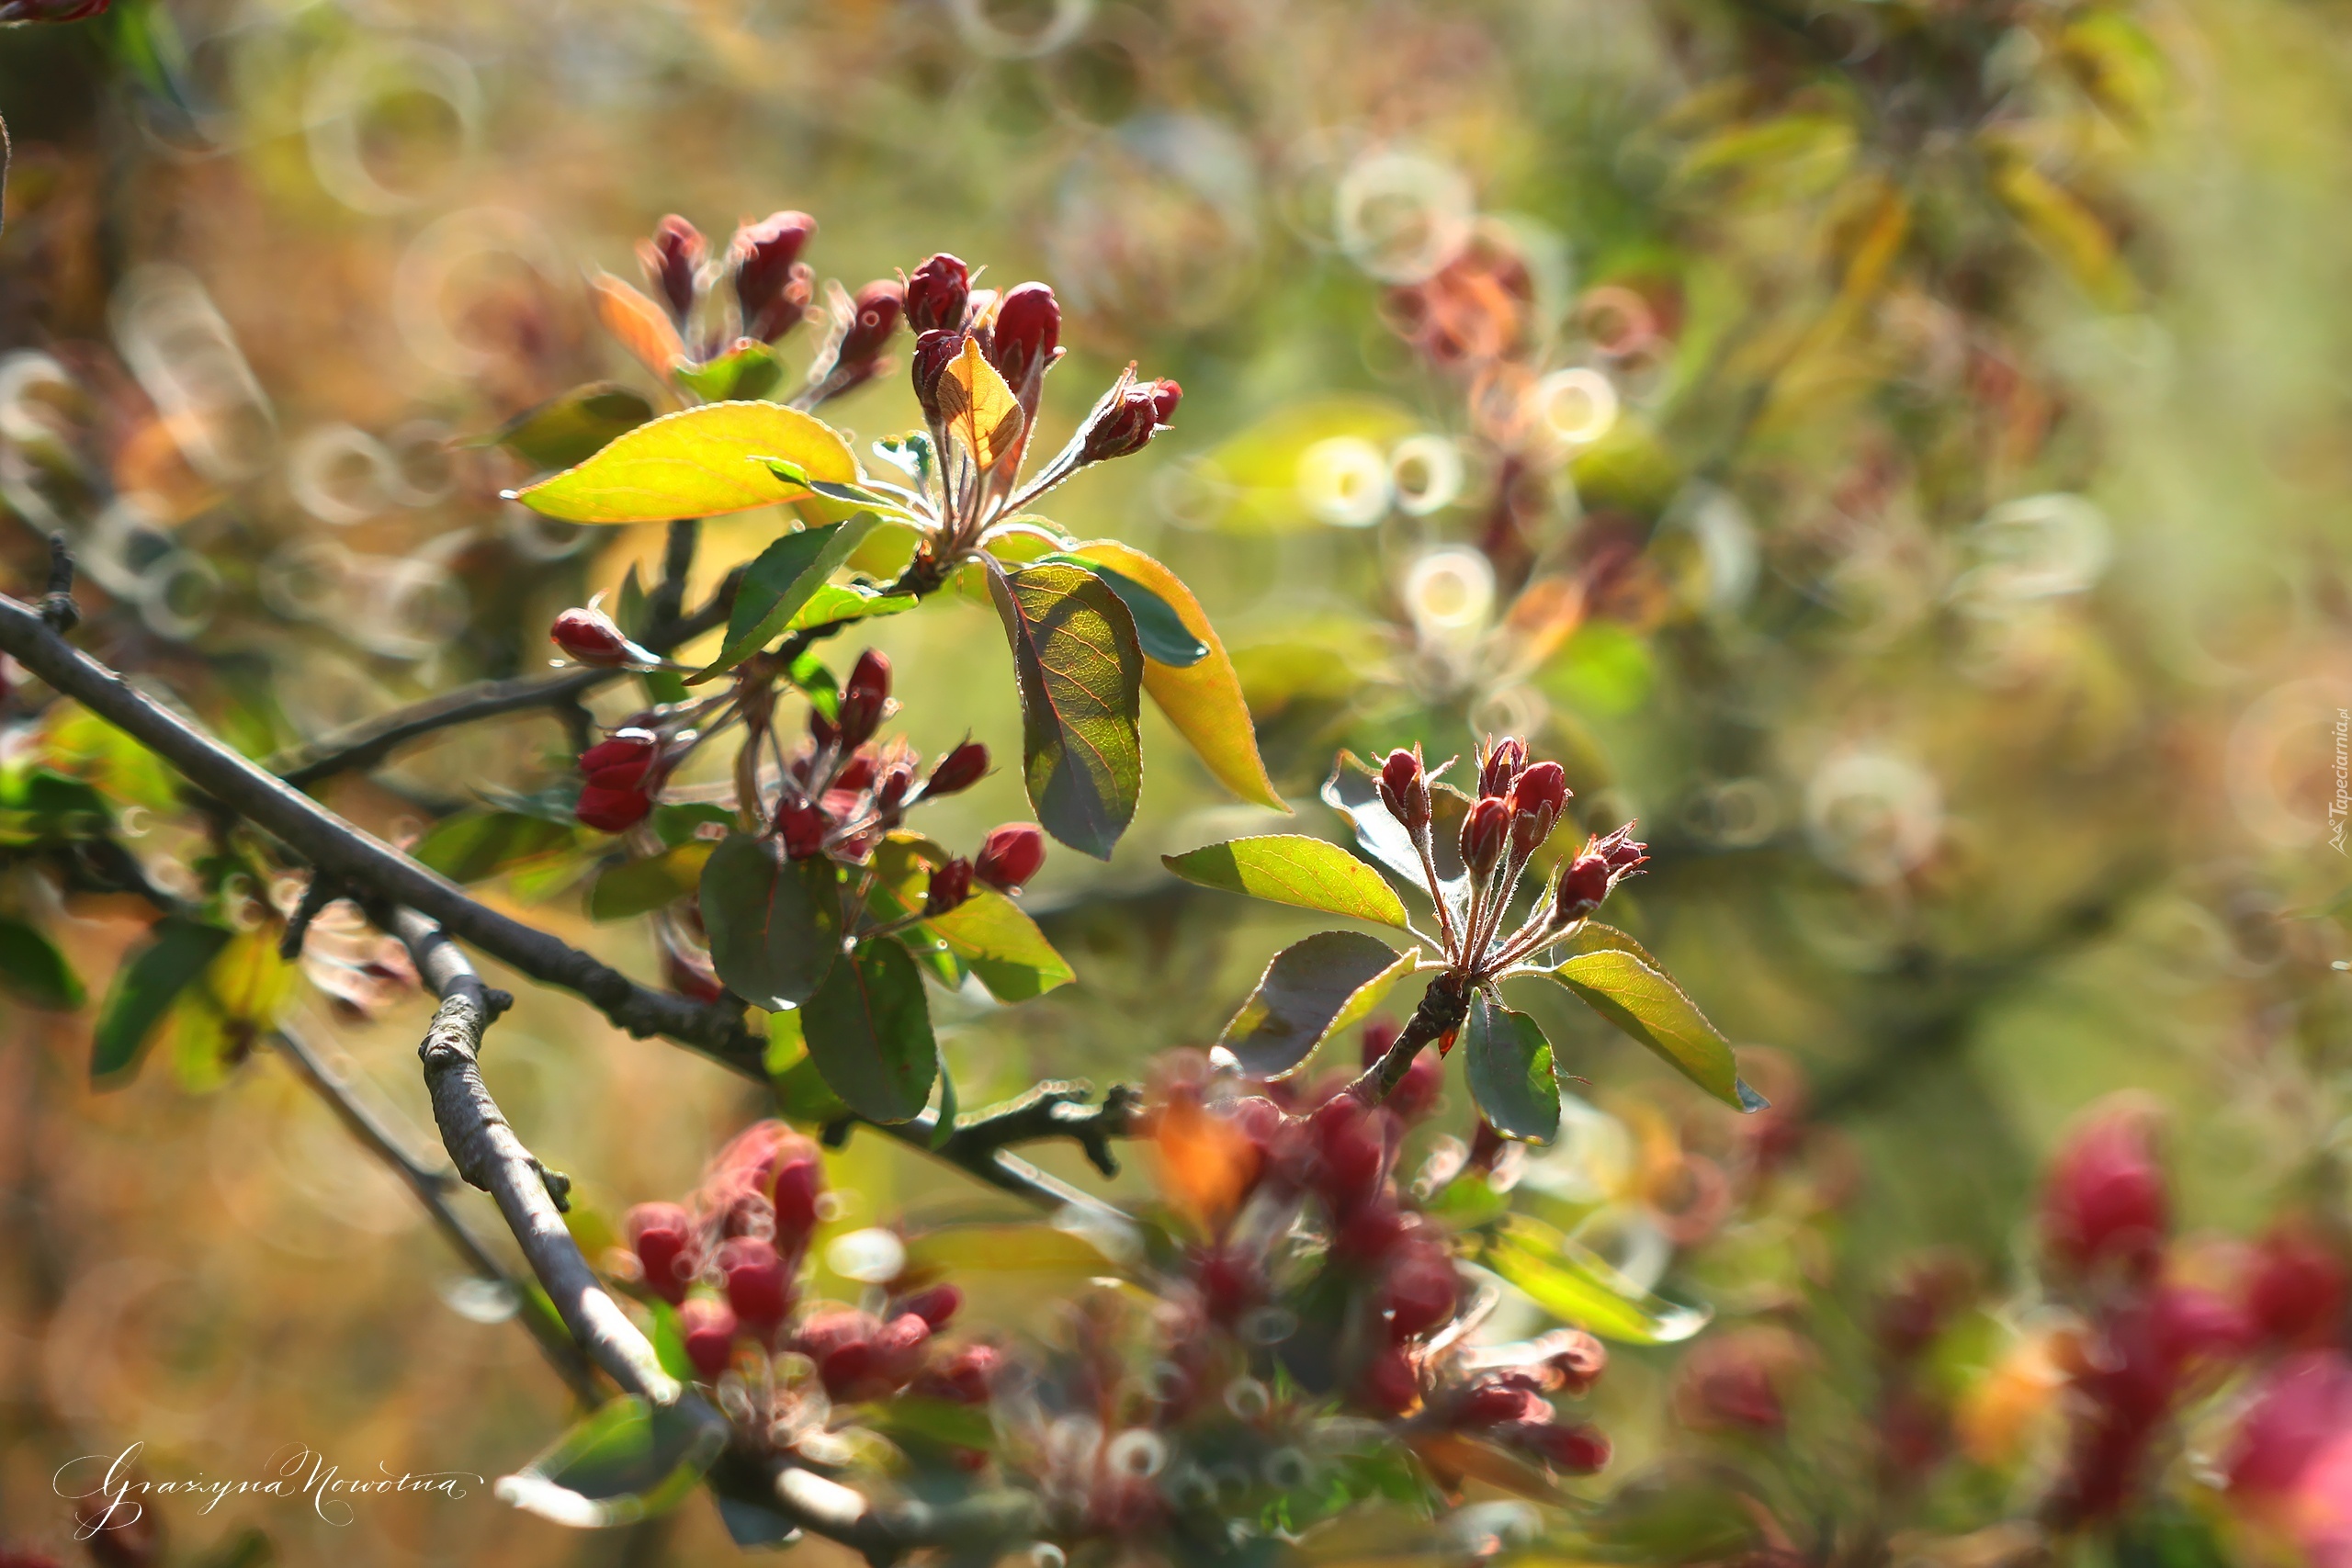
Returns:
(774, 923)
(1080, 671)
(1312, 989)
(1290, 868)
(868, 1031)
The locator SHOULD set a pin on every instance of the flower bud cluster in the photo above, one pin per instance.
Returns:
(767, 286)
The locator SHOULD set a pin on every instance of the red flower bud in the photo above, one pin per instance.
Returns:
(936, 293)
(1493, 1400)
(759, 1286)
(958, 771)
(1231, 1283)
(966, 1378)
(51, 10)
(799, 1183)
(772, 287)
(1505, 758)
(1577, 1450)
(898, 782)
(857, 774)
(874, 317)
(2295, 1292)
(1027, 330)
(1125, 425)
(897, 1351)
(592, 637)
(863, 698)
(1405, 789)
(1485, 832)
(1596, 871)
(951, 884)
(708, 1328)
(1390, 1383)
(2105, 1197)
(935, 1307)
(618, 780)
(803, 826)
(663, 1237)
(1579, 1361)
(2305, 1404)
(1537, 797)
(1353, 1148)
(1420, 1292)
(671, 260)
(1009, 856)
(934, 351)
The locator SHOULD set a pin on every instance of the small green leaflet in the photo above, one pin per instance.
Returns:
(34, 972)
(573, 427)
(1511, 1072)
(1652, 1008)
(1165, 638)
(839, 490)
(630, 1461)
(1578, 1287)
(473, 845)
(749, 370)
(774, 923)
(1311, 990)
(641, 886)
(1290, 868)
(145, 988)
(868, 1030)
(785, 577)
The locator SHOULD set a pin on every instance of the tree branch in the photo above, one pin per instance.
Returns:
(431, 1187)
(1443, 1006)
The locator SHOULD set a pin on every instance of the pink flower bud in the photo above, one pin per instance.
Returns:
(1498, 1399)
(863, 698)
(708, 1328)
(1420, 1293)
(966, 1378)
(2104, 1200)
(958, 771)
(1576, 1451)
(874, 318)
(897, 782)
(1405, 789)
(772, 287)
(1352, 1149)
(2295, 1292)
(758, 1286)
(802, 827)
(592, 637)
(1231, 1282)
(671, 260)
(1505, 758)
(1009, 856)
(1537, 797)
(1027, 330)
(2303, 1407)
(1125, 424)
(935, 1307)
(1485, 832)
(663, 1237)
(936, 292)
(951, 884)
(1597, 870)
(799, 1183)
(1390, 1382)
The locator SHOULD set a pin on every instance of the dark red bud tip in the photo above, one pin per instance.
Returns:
(1603, 864)
(802, 827)
(1404, 790)
(1485, 832)
(1504, 760)
(771, 286)
(873, 316)
(935, 1307)
(663, 1237)
(619, 778)
(759, 1286)
(1009, 856)
(672, 258)
(1125, 425)
(51, 10)
(863, 698)
(708, 1328)
(936, 293)
(951, 884)
(933, 350)
(1165, 395)
(1537, 797)
(1028, 329)
(1576, 1451)
(958, 771)
(592, 637)
(897, 782)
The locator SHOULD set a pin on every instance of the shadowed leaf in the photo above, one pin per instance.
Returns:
(573, 427)
(774, 923)
(779, 584)
(1511, 1072)
(641, 886)
(144, 991)
(868, 1030)
(628, 1462)
(34, 972)
(1080, 675)
(1311, 990)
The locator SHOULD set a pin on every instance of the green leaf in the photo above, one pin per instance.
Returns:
(1290, 868)
(808, 675)
(1578, 1287)
(1511, 1072)
(641, 886)
(628, 1462)
(936, 1420)
(868, 1030)
(1653, 1010)
(1081, 673)
(34, 972)
(1165, 638)
(785, 577)
(751, 1524)
(1002, 945)
(144, 990)
(473, 845)
(696, 463)
(802, 1096)
(984, 1248)
(749, 370)
(855, 495)
(1203, 699)
(774, 923)
(1311, 990)
(833, 603)
(670, 1343)
(1350, 792)
(572, 427)
(680, 822)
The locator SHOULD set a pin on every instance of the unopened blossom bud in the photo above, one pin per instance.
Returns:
(864, 697)
(1503, 762)
(1390, 1382)
(951, 884)
(1596, 871)
(1352, 1148)
(618, 780)
(802, 827)
(1027, 330)
(593, 637)
(1125, 424)
(663, 1237)
(799, 1183)
(709, 1328)
(1485, 832)
(966, 1378)
(14, 11)
(670, 259)
(2294, 1293)
(1574, 1450)
(935, 1307)
(840, 1343)
(958, 771)
(759, 1286)
(898, 1349)
(1009, 856)
(934, 351)
(1537, 797)
(1493, 1400)
(873, 316)
(1577, 1360)
(897, 782)
(1420, 1292)
(936, 292)
(2105, 1197)
(772, 286)
(1405, 789)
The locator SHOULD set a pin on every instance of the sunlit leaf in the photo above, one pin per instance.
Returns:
(216, 1023)
(1511, 1072)
(78, 743)
(638, 324)
(835, 603)
(1290, 868)
(1652, 1008)
(1203, 699)
(630, 1461)
(33, 973)
(572, 427)
(1080, 675)
(641, 886)
(779, 582)
(1165, 638)
(774, 923)
(748, 370)
(802, 1096)
(1575, 1285)
(977, 407)
(1311, 990)
(868, 1030)
(951, 1250)
(144, 990)
(699, 462)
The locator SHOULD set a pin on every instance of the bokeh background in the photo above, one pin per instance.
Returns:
(1896, 451)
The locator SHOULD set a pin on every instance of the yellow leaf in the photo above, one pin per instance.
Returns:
(977, 407)
(699, 462)
(1202, 700)
(2068, 229)
(642, 327)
